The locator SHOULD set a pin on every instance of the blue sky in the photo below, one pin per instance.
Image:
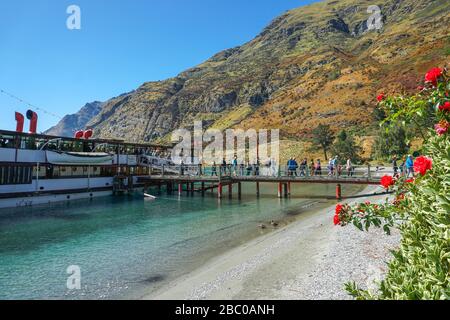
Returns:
(121, 45)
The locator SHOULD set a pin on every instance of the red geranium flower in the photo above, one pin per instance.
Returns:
(387, 181)
(411, 180)
(336, 220)
(432, 75)
(338, 208)
(381, 97)
(445, 106)
(423, 164)
(337, 212)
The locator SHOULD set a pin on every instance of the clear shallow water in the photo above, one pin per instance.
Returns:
(125, 246)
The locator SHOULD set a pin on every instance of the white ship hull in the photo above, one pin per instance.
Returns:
(50, 198)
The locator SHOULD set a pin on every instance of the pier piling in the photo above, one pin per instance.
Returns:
(230, 191)
(219, 190)
(239, 190)
(338, 192)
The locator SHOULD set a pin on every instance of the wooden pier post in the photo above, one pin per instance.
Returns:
(203, 189)
(230, 191)
(192, 188)
(279, 189)
(285, 190)
(338, 192)
(289, 188)
(219, 190)
(257, 189)
(239, 190)
(180, 189)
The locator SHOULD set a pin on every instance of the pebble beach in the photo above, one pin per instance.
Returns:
(309, 259)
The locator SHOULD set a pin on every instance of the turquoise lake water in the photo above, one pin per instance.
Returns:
(125, 246)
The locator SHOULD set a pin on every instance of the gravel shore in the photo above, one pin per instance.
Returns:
(308, 259)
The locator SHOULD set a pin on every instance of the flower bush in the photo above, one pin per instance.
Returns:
(420, 268)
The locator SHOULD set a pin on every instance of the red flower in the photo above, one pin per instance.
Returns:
(387, 181)
(411, 180)
(423, 164)
(381, 97)
(442, 127)
(445, 107)
(336, 220)
(432, 75)
(338, 210)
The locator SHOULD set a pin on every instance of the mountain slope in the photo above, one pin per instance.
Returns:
(314, 64)
(73, 122)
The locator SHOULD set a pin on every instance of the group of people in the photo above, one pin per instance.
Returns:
(406, 167)
(315, 167)
(237, 168)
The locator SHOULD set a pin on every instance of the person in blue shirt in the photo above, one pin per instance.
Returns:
(409, 166)
(289, 166)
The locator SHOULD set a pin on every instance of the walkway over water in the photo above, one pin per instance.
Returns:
(187, 177)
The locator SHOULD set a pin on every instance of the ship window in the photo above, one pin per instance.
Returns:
(15, 175)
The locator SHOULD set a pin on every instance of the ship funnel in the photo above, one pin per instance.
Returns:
(20, 119)
(79, 134)
(33, 117)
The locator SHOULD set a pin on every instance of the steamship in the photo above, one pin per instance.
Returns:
(41, 169)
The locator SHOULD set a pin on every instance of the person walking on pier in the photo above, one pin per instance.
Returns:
(214, 169)
(318, 168)
(303, 166)
(235, 166)
(288, 166)
(394, 165)
(409, 166)
(257, 167)
(294, 167)
(402, 167)
(223, 167)
(349, 167)
(331, 167)
(249, 168)
(311, 168)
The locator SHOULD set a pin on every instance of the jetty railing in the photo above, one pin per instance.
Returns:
(340, 172)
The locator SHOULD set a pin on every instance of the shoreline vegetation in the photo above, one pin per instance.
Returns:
(308, 258)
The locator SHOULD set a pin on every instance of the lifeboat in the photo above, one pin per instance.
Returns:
(79, 158)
